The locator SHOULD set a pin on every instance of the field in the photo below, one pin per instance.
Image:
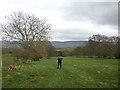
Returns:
(75, 73)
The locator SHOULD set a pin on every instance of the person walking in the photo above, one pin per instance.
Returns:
(59, 61)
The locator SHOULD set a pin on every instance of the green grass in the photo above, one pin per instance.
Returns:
(75, 73)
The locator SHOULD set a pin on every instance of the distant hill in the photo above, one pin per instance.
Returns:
(8, 44)
(56, 44)
(68, 44)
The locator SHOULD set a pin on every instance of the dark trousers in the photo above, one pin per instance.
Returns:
(59, 62)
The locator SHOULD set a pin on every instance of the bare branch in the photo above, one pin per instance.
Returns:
(24, 27)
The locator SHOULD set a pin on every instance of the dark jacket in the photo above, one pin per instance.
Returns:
(59, 58)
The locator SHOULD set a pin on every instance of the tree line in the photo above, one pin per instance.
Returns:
(98, 45)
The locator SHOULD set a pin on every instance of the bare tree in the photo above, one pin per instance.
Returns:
(24, 27)
(31, 32)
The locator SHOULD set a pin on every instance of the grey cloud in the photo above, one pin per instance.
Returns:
(71, 35)
(105, 13)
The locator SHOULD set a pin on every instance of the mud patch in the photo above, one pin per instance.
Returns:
(27, 78)
(44, 75)
(33, 81)
(10, 80)
(32, 75)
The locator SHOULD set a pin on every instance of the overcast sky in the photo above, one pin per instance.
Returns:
(71, 20)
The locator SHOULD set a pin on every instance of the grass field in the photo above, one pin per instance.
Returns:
(75, 73)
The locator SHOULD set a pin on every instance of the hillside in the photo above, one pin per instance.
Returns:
(68, 44)
(56, 44)
(8, 44)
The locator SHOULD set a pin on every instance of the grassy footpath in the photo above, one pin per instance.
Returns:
(75, 73)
